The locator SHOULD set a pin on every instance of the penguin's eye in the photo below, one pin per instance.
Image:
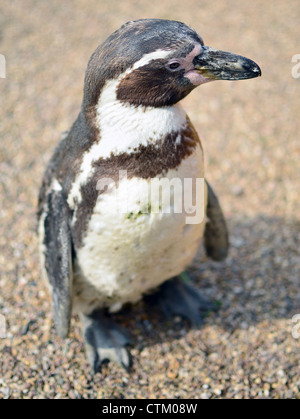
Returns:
(174, 65)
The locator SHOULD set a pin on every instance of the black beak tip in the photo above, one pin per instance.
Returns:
(252, 68)
(259, 71)
(256, 71)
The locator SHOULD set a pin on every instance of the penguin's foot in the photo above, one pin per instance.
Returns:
(177, 297)
(104, 341)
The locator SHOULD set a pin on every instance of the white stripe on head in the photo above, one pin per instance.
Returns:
(147, 58)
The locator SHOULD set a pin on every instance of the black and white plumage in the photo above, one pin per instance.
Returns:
(95, 257)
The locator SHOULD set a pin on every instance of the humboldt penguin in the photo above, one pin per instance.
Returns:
(124, 203)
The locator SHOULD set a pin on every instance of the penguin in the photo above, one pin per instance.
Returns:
(102, 242)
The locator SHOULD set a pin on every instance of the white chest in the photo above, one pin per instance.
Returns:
(135, 241)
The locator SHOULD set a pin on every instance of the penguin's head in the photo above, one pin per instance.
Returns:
(157, 63)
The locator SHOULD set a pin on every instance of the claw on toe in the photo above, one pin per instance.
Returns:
(105, 341)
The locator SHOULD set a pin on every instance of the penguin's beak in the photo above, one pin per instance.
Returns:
(220, 65)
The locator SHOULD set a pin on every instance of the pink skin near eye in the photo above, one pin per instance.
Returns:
(190, 72)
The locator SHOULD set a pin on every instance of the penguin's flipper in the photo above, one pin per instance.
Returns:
(216, 239)
(177, 297)
(104, 340)
(58, 259)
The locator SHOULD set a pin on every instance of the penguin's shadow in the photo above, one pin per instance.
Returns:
(258, 282)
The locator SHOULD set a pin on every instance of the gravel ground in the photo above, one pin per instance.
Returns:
(250, 133)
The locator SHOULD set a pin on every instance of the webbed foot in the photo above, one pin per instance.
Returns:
(178, 297)
(105, 341)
